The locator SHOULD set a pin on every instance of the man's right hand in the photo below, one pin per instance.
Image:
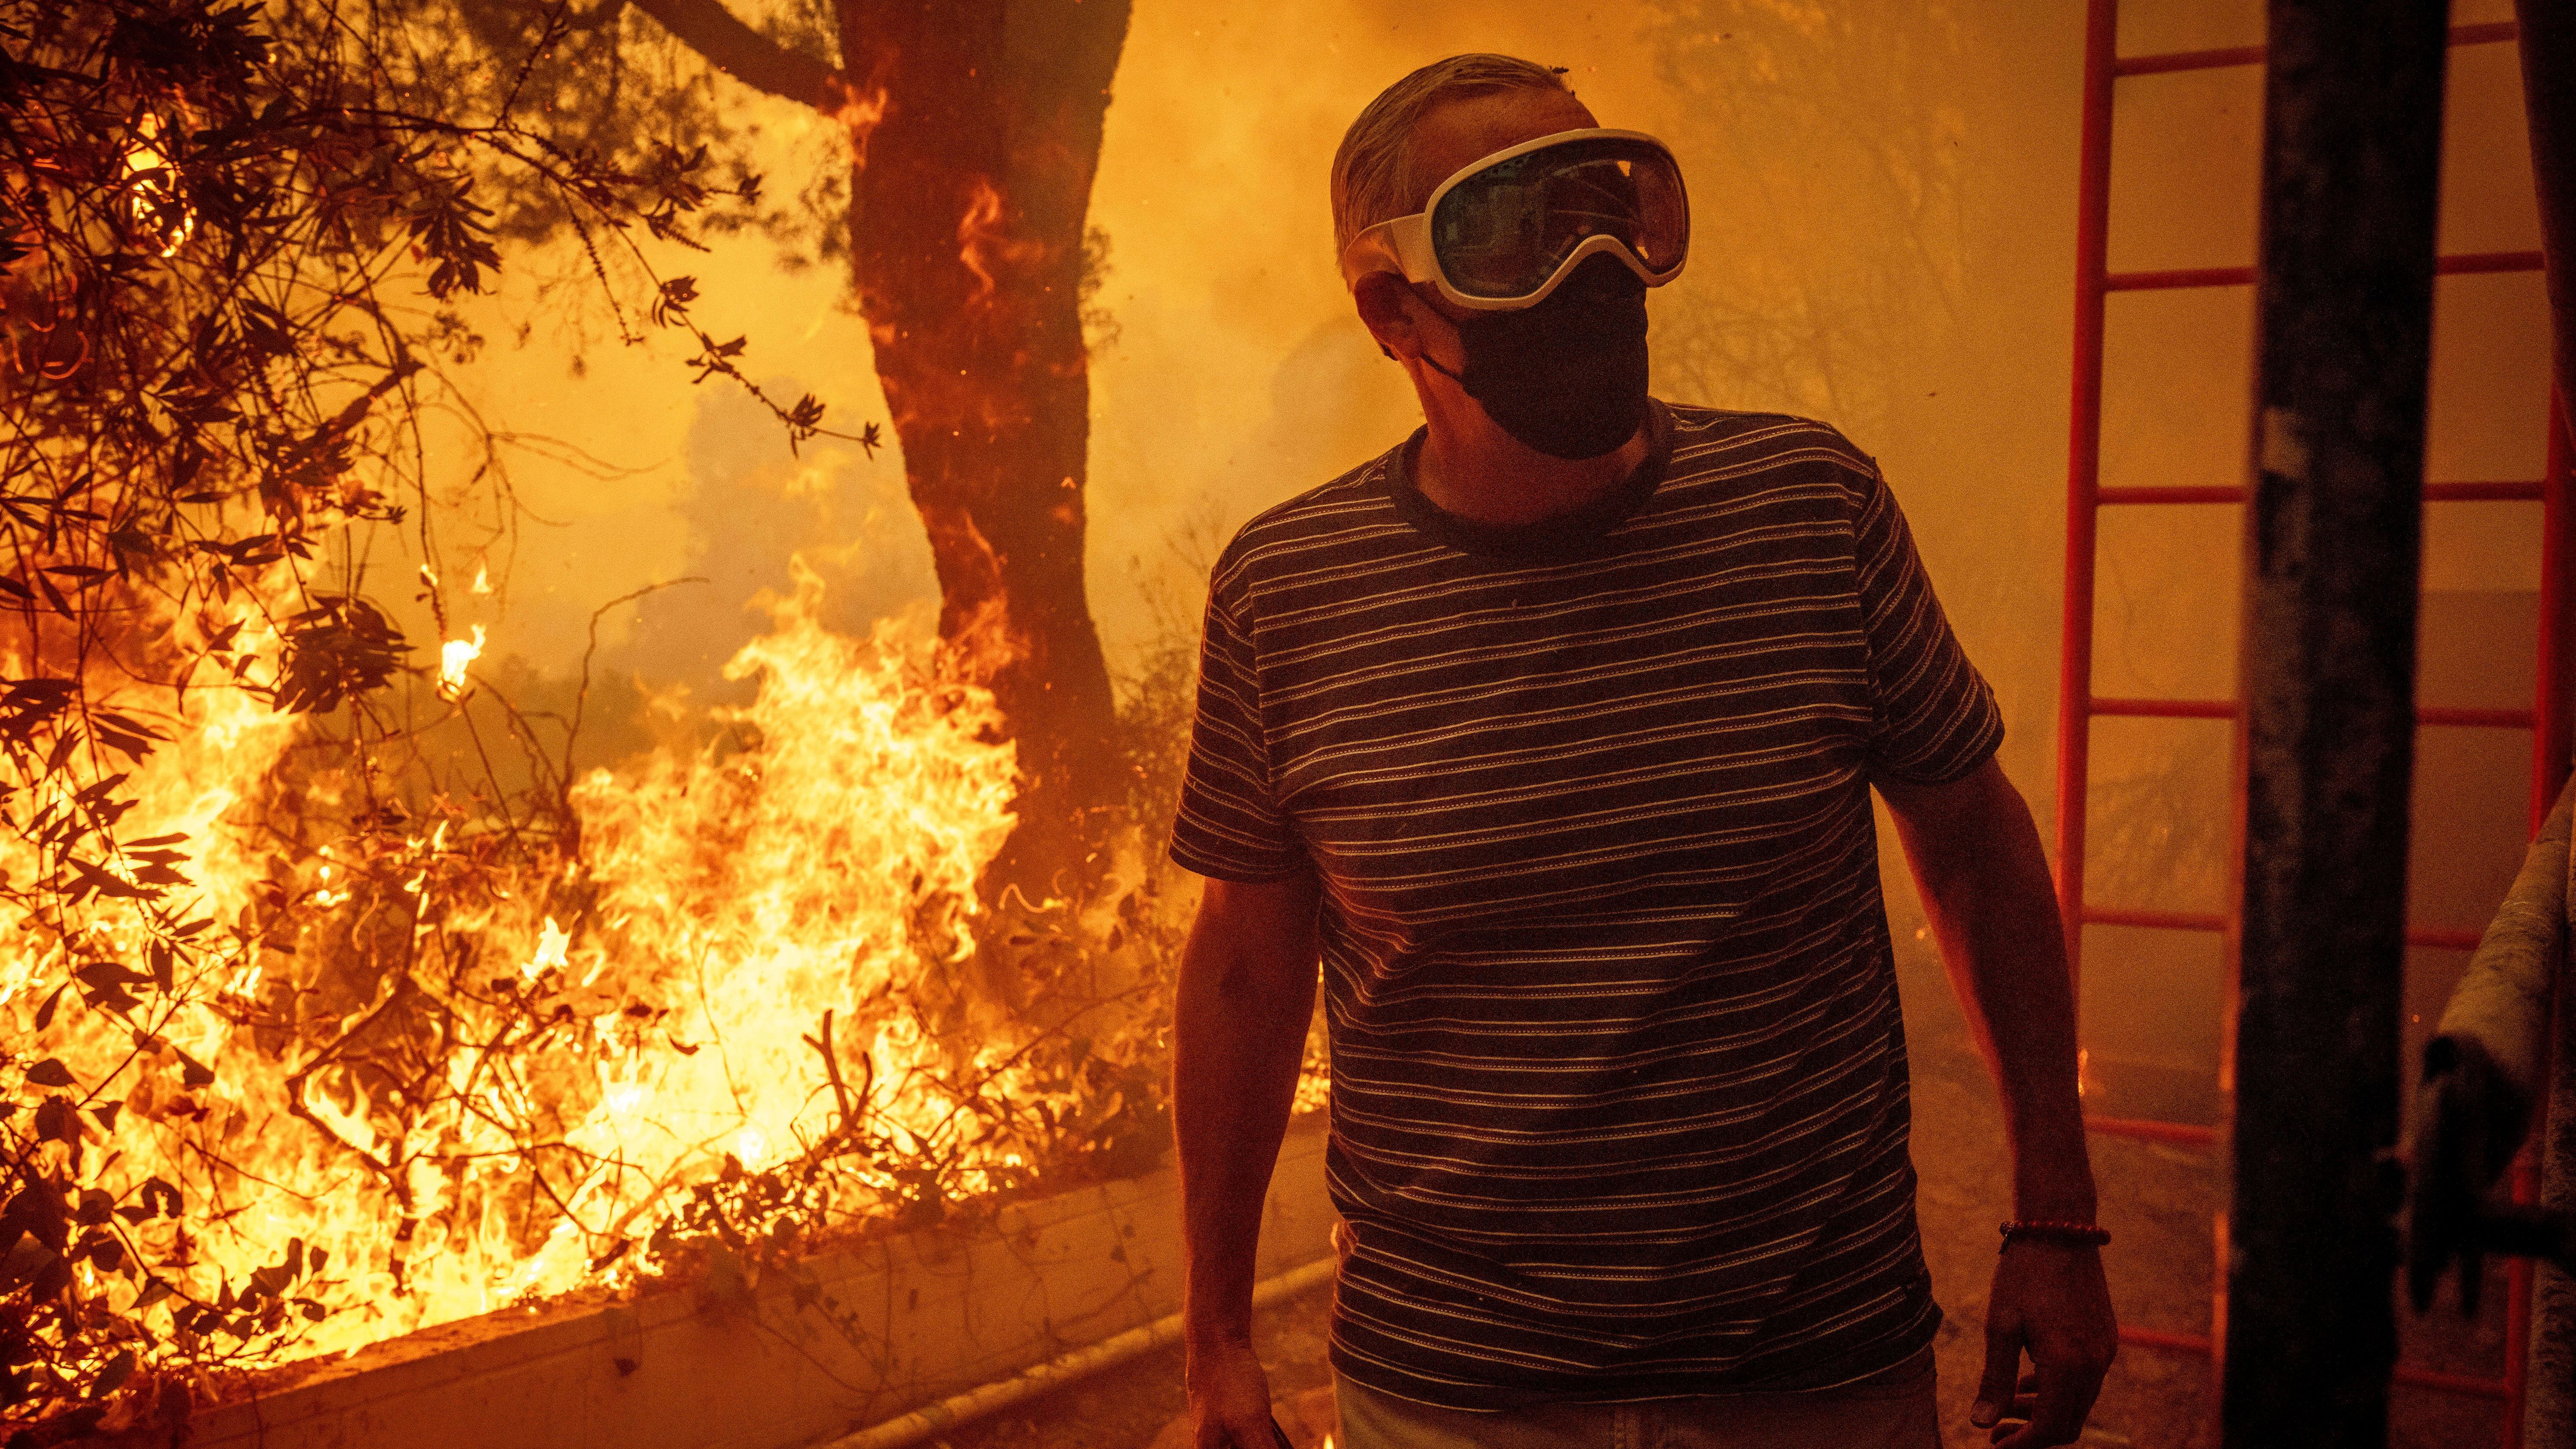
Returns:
(1229, 1399)
(1247, 990)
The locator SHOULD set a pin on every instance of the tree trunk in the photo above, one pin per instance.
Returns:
(969, 199)
(978, 125)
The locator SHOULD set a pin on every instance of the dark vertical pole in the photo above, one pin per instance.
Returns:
(2352, 150)
(2546, 1373)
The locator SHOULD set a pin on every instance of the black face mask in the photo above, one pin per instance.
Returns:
(1566, 377)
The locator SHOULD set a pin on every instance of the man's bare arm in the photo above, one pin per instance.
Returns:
(1247, 989)
(1986, 887)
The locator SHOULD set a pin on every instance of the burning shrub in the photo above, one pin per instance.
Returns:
(286, 1029)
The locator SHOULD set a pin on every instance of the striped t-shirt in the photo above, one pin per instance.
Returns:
(1619, 1090)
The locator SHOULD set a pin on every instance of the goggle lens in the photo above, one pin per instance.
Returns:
(1504, 231)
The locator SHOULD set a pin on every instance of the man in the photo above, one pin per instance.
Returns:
(1551, 734)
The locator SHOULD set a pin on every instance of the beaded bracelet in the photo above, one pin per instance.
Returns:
(2087, 1234)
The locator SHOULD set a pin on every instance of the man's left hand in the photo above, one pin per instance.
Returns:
(2050, 1300)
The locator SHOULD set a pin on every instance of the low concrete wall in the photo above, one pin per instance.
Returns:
(908, 1321)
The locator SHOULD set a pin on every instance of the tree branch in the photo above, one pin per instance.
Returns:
(750, 57)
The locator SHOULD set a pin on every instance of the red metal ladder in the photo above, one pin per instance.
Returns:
(2548, 719)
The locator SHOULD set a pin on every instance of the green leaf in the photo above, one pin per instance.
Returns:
(51, 1073)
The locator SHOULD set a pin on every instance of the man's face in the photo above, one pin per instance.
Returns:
(1409, 320)
(1459, 133)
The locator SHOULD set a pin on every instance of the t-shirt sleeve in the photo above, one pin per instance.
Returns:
(1229, 825)
(1933, 716)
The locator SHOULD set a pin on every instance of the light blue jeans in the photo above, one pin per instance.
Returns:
(1895, 1411)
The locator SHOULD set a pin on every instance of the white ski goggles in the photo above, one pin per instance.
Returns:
(1502, 232)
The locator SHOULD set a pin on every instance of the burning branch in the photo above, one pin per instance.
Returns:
(846, 1124)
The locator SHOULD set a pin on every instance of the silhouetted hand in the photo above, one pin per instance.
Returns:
(1229, 1399)
(2050, 1300)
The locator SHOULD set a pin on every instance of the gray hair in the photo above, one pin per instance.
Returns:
(1373, 178)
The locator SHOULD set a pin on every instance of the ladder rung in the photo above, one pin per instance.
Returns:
(2188, 1134)
(2158, 1338)
(2176, 60)
(2510, 491)
(2177, 279)
(2464, 263)
(2439, 939)
(2423, 1378)
(2442, 715)
(2467, 1385)
(2181, 278)
(2167, 708)
(2190, 493)
(2153, 920)
(2474, 719)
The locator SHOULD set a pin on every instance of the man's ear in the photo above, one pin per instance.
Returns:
(1387, 308)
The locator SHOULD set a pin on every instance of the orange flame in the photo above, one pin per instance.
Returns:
(454, 657)
(859, 113)
(728, 902)
(980, 239)
(151, 182)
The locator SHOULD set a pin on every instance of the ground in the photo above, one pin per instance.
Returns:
(2157, 1200)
